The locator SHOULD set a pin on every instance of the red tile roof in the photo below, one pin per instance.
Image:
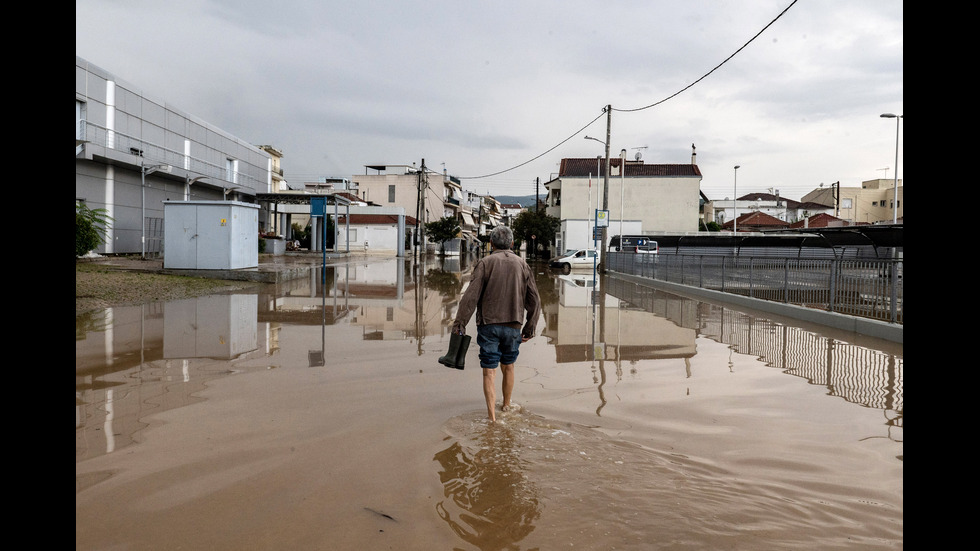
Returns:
(822, 220)
(756, 219)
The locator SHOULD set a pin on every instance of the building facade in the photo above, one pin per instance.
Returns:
(643, 199)
(425, 195)
(133, 151)
(872, 203)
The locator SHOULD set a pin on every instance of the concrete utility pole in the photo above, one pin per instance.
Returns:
(418, 215)
(605, 191)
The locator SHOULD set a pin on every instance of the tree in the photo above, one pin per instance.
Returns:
(442, 230)
(91, 226)
(535, 227)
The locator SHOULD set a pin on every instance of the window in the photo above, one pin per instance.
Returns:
(79, 120)
(845, 203)
(231, 170)
(391, 193)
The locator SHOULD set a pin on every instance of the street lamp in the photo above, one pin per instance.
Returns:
(605, 190)
(144, 170)
(188, 184)
(898, 119)
(735, 201)
(622, 194)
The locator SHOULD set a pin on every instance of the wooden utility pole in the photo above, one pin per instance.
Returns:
(537, 186)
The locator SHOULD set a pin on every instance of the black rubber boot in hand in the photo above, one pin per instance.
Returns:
(449, 360)
(464, 344)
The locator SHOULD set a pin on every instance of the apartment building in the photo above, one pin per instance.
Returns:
(642, 199)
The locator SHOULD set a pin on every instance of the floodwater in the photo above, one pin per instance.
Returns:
(314, 415)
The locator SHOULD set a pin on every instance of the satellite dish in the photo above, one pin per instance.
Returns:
(637, 156)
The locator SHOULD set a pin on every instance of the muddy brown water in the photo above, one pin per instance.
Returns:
(286, 417)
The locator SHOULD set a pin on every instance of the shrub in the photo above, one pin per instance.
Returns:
(91, 226)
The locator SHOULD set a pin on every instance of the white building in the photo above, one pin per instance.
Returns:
(646, 199)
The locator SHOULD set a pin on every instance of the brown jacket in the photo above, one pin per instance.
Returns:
(508, 291)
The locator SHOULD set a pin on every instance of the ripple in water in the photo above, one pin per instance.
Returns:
(546, 484)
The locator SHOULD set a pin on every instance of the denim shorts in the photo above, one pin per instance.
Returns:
(498, 344)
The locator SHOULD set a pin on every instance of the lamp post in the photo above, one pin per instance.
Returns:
(735, 201)
(622, 194)
(605, 193)
(187, 186)
(144, 170)
(898, 119)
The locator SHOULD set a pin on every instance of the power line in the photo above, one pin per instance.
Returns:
(704, 76)
(579, 131)
(675, 94)
(726, 60)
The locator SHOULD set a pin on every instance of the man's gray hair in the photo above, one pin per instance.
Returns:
(501, 237)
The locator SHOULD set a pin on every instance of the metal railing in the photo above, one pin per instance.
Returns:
(866, 288)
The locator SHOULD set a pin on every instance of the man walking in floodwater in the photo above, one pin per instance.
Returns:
(501, 291)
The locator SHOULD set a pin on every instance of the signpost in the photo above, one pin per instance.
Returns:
(601, 221)
(318, 208)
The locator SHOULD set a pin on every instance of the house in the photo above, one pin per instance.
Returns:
(425, 195)
(134, 151)
(642, 199)
(755, 221)
(374, 233)
(510, 212)
(822, 220)
(783, 208)
(872, 203)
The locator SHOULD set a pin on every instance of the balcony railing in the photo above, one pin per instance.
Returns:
(155, 154)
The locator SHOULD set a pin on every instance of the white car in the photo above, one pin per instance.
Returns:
(576, 259)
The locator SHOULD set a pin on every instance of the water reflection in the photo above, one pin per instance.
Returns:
(492, 504)
(169, 350)
(871, 377)
(531, 481)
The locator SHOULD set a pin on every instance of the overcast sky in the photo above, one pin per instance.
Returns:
(497, 93)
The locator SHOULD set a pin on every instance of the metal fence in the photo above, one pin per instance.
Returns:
(870, 288)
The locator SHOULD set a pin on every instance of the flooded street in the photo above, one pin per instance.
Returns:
(313, 414)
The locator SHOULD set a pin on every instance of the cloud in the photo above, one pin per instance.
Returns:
(485, 87)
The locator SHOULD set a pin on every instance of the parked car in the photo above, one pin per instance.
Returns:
(634, 244)
(578, 258)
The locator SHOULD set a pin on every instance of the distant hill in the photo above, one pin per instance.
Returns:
(522, 200)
